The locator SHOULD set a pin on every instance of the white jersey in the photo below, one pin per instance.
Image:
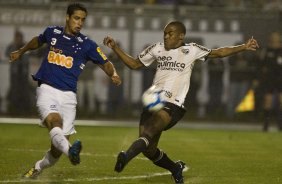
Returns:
(174, 68)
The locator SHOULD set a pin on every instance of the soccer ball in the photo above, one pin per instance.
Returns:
(153, 99)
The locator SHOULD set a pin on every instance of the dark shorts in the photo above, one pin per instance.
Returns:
(173, 110)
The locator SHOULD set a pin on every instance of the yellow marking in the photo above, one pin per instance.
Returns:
(101, 53)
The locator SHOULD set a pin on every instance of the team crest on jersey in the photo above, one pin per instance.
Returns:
(79, 39)
(185, 51)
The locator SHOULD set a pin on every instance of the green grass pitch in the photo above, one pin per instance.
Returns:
(213, 157)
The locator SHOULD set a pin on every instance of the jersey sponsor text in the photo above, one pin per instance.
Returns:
(171, 65)
(60, 59)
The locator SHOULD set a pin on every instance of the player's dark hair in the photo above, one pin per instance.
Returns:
(180, 26)
(74, 7)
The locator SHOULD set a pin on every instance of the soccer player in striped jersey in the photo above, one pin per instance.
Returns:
(67, 54)
(175, 60)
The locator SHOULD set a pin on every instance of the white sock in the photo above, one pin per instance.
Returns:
(59, 140)
(47, 161)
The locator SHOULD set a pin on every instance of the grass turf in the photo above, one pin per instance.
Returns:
(213, 157)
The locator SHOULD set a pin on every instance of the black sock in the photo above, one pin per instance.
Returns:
(137, 147)
(161, 159)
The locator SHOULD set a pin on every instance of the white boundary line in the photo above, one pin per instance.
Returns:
(135, 123)
(77, 122)
(87, 179)
(94, 179)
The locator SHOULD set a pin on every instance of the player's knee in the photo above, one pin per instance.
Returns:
(147, 139)
(53, 120)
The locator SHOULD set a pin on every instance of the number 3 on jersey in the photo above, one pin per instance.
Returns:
(53, 42)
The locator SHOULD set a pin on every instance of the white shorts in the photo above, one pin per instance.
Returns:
(52, 100)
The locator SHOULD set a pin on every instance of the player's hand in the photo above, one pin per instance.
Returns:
(116, 80)
(15, 55)
(252, 44)
(109, 42)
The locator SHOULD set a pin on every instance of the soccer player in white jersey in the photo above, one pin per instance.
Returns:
(175, 61)
(67, 54)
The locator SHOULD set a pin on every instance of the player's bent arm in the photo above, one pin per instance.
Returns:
(31, 45)
(128, 60)
(110, 70)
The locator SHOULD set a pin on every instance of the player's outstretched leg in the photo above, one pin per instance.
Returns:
(47, 161)
(74, 152)
(136, 147)
(161, 159)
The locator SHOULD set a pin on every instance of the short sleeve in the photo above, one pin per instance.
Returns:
(95, 54)
(42, 38)
(201, 52)
(147, 56)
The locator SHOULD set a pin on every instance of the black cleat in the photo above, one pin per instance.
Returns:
(177, 175)
(121, 161)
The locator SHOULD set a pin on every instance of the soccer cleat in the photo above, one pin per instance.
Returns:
(74, 152)
(121, 161)
(177, 175)
(32, 173)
